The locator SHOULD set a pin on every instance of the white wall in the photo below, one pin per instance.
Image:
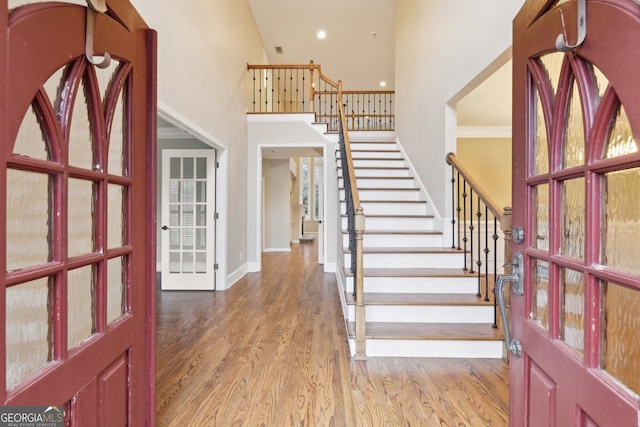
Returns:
(441, 46)
(203, 50)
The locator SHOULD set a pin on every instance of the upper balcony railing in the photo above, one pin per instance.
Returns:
(303, 88)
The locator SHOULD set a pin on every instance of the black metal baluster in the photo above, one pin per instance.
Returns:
(254, 90)
(458, 209)
(273, 95)
(453, 207)
(495, 270)
(303, 85)
(260, 88)
(369, 111)
(385, 112)
(471, 228)
(486, 253)
(278, 93)
(464, 218)
(479, 242)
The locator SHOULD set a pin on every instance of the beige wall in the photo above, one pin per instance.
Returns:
(489, 161)
(203, 50)
(277, 208)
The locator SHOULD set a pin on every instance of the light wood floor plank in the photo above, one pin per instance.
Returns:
(272, 351)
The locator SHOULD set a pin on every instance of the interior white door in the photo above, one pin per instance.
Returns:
(320, 208)
(188, 219)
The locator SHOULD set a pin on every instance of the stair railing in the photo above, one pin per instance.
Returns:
(355, 226)
(471, 235)
(304, 88)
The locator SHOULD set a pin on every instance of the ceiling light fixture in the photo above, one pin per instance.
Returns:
(321, 34)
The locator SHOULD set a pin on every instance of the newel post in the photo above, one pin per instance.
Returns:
(312, 90)
(361, 352)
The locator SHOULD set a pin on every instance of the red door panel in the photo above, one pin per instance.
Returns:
(576, 124)
(542, 398)
(77, 215)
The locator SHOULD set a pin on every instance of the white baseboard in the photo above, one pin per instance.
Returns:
(233, 278)
(277, 249)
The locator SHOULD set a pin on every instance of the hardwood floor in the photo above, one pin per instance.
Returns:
(272, 351)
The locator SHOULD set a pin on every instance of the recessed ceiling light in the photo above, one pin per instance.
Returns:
(383, 84)
(321, 34)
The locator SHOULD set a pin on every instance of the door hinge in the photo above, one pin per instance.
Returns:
(217, 165)
(216, 216)
(215, 266)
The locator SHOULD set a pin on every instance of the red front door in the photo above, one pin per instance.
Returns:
(577, 197)
(77, 232)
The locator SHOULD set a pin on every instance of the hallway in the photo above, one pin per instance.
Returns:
(272, 351)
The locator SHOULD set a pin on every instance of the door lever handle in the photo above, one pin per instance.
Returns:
(516, 277)
(164, 227)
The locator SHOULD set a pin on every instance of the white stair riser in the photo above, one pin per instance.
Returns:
(381, 208)
(466, 349)
(426, 313)
(390, 194)
(382, 163)
(378, 172)
(376, 152)
(407, 260)
(417, 285)
(398, 240)
(373, 146)
(381, 183)
(394, 223)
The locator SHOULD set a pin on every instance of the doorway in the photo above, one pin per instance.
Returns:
(293, 179)
(188, 219)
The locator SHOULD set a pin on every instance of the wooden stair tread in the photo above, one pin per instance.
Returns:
(425, 232)
(430, 331)
(362, 150)
(413, 272)
(372, 142)
(423, 299)
(385, 188)
(409, 250)
(383, 177)
(377, 167)
(399, 216)
(389, 201)
(373, 158)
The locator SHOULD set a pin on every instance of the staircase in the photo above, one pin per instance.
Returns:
(418, 300)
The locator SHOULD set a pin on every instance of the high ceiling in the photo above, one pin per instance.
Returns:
(360, 37)
(359, 50)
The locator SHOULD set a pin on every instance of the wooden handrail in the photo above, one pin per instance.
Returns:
(358, 225)
(327, 79)
(357, 92)
(477, 188)
(277, 67)
(352, 174)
